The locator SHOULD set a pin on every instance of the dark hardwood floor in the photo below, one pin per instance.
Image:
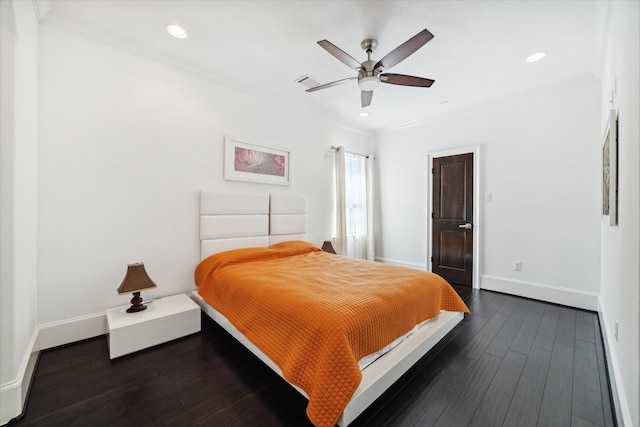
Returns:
(512, 362)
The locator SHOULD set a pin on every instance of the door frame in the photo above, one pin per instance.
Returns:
(476, 150)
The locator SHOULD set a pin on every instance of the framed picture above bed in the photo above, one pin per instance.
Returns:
(610, 171)
(248, 162)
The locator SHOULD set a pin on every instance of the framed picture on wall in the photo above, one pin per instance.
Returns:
(610, 171)
(248, 162)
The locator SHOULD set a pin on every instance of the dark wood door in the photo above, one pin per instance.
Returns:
(452, 218)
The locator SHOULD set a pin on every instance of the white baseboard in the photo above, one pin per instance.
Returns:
(402, 263)
(13, 394)
(539, 291)
(554, 294)
(620, 403)
(71, 330)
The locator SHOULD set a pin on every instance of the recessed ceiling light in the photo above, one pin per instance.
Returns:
(363, 114)
(536, 56)
(177, 31)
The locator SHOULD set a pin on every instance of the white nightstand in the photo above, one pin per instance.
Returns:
(165, 319)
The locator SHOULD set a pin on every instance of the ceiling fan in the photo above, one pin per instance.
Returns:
(370, 73)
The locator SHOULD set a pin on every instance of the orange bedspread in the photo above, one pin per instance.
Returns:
(316, 314)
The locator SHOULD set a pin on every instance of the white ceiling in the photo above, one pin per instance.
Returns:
(477, 53)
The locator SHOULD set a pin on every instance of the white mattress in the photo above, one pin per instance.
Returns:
(369, 359)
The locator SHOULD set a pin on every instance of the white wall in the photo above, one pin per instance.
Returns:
(126, 144)
(18, 201)
(539, 161)
(620, 251)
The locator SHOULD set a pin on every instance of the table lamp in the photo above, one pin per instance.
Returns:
(135, 280)
(328, 247)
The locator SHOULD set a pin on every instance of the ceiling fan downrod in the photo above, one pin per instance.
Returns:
(368, 77)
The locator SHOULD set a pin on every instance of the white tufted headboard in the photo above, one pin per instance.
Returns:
(240, 220)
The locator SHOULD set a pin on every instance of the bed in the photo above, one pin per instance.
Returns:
(249, 231)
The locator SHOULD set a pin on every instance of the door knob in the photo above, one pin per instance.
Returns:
(466, 226)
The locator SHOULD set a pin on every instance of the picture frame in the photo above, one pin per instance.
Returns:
(248, 162)
(609, 208)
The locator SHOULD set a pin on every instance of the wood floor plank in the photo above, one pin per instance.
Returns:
(495, 403)
(584, 326)
(607, 409)
(503, 339)
(486, 303)
(579, 422)
(566, 331)
(547, 330)
(526, 334)
(509, 305)
(478, 344)
(555, 409)
(525, 405)
(470, 393)
(425, 405)
(587, 400)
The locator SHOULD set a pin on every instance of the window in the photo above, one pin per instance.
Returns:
(355, 190)
(354, 235)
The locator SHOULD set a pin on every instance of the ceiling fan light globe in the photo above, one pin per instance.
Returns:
(176, 31)
(368, 83)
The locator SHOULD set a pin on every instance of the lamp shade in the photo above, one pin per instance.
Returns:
(328, 247)
(136, 280)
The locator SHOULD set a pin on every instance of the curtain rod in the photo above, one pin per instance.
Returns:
(333, 148)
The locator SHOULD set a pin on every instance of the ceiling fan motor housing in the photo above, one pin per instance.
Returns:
(368, 77)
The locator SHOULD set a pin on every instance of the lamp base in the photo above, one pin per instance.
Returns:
(137, 304)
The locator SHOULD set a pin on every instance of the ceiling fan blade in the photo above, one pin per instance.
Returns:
(366, 96)
(332, 84)
(401, 53)
(403, 80)
(341, 55)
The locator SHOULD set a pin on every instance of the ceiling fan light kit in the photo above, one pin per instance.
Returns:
(370, 72)
(368, 83)
(535, 57)
(176, 31)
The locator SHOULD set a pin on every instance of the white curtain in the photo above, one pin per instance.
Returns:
(341, 218)
(354, 204)
(369, 164)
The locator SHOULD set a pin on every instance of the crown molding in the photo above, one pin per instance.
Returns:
(42, 8)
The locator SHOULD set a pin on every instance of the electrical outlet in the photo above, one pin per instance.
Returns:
(517, 265)
(615, 331)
